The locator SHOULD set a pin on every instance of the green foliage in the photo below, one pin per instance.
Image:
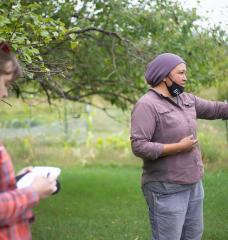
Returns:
(23, 150)
(74, 50)
(223, 90)
(94, 138)
(116, 142)
(210, 152)
(28, 30)
(213, 143)
(18, 123)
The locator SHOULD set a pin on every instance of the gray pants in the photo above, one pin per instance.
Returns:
(176, 216)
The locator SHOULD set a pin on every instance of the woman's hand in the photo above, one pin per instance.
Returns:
(24, 170)
(186, 144)
(44, 186)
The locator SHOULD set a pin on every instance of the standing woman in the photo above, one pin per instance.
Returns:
(164, 135)
(16, 204)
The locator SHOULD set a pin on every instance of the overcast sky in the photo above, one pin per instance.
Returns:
(216, 10)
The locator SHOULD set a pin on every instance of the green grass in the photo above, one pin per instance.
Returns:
(95, 203)
(106, 203)
(216, 208)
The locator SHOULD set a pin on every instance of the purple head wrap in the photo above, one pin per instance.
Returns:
(160, 67)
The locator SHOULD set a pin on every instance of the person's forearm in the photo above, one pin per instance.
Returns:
(14, 203)
(170, 149)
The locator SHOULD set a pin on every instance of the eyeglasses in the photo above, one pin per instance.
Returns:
(5, 47)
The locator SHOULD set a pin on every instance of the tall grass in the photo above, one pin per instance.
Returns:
(92, 137)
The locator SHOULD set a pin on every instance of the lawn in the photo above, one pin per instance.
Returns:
(106, 203)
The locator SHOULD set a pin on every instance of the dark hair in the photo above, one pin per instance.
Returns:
(6, 55)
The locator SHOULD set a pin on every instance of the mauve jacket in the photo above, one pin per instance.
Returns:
(157, 120)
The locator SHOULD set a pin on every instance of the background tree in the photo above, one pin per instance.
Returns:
(76, 49)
